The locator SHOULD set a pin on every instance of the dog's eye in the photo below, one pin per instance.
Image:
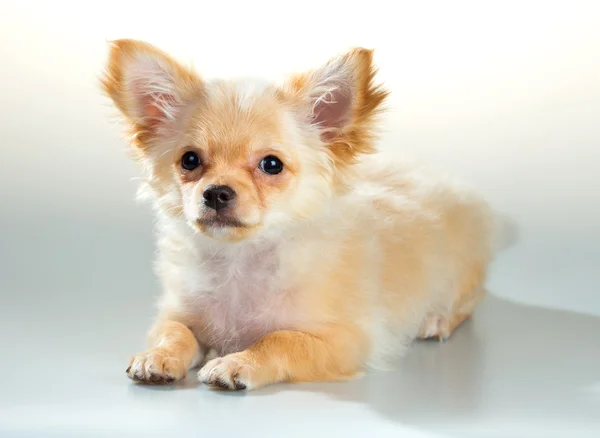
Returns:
(271, 165)
(190, 161)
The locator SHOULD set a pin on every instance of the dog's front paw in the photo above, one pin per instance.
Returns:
(156, 366)
(233, 372)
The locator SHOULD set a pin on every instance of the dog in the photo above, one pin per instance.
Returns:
(289, 248)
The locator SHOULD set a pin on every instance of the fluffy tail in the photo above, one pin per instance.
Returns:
(505, 233)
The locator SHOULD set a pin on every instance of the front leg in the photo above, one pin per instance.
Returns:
(173, 350)
(289, 356)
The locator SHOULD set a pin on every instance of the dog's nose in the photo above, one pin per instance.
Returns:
(218, 197)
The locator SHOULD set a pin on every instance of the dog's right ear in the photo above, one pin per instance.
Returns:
(342, 101)
(148, 87)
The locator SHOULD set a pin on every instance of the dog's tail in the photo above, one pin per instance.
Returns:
(505, 233)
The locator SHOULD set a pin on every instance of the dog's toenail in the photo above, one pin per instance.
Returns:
(220, 383)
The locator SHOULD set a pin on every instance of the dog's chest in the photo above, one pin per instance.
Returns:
(241, 297)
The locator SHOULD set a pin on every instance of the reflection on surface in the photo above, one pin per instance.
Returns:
(510, 363)
(77, 306)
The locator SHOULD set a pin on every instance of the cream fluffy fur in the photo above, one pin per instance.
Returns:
(337, 263)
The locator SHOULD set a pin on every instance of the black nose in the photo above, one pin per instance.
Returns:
(218, 197)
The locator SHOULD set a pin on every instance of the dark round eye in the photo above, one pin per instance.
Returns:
(271, 165)
(190, 160)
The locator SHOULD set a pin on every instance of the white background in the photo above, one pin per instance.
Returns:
(504, 94)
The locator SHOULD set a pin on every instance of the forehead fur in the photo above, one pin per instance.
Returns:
(238, 114)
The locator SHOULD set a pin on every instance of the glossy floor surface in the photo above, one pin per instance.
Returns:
(77, 299)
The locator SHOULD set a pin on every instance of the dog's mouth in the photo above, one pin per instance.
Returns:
(220, 221)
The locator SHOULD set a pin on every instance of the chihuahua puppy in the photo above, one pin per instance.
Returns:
(286, 244)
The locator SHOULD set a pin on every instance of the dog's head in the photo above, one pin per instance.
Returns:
(235, 157)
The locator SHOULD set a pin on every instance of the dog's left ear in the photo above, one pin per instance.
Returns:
(149, 88)
(342, 101)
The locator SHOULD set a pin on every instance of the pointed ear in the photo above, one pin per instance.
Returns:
(148, 87)
(341, 101)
